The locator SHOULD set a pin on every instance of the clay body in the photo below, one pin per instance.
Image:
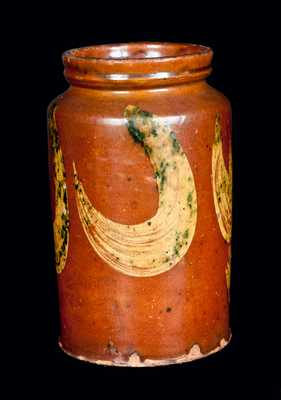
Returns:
(140, 168)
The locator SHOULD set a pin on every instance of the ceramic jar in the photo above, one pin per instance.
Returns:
(141, 195)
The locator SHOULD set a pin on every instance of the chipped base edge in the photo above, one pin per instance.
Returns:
(135, 361)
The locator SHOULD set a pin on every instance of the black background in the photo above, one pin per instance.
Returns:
(240, 70)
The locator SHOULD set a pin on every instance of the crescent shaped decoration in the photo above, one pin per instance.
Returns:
(158, 244)
(61, 219)
(222, 184)
(228, 273)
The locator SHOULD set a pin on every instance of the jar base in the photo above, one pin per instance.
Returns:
(135, 360)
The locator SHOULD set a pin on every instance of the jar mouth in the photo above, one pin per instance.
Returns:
(137, 64)
(136, 51)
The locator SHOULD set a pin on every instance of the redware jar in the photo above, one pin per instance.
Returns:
(140, 167)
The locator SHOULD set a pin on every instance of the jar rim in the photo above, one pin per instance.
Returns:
(136, 63)
(135, 51)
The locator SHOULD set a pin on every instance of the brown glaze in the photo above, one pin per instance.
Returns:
(107, 316)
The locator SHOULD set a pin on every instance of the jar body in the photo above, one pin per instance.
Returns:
(116, 316)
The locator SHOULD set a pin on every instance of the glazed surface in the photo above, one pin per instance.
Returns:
(106, 312)
(157, 244)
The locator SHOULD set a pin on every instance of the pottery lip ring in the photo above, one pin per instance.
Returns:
(137, 63)
(137, 51)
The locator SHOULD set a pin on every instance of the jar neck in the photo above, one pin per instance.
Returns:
(137, 65)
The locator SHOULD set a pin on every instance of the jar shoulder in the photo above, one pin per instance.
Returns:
(216, 97)
(189, 99)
